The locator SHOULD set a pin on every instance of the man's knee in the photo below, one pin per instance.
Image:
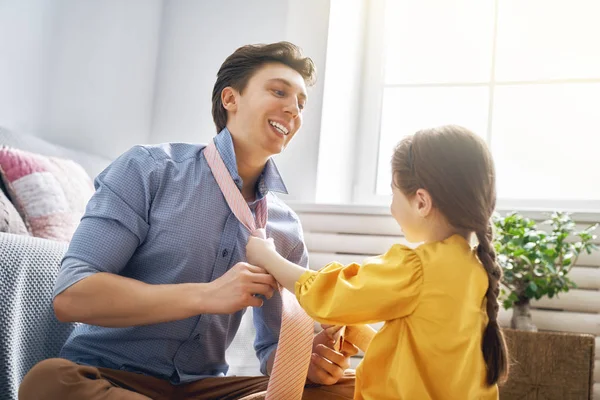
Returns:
(45, 378)
(342, 390)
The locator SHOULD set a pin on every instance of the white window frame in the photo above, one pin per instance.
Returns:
(369, 121)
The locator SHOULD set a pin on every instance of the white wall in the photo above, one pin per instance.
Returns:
(79, 73)
(104, 75)
(101, 82)
(25, 28)
(196, 38)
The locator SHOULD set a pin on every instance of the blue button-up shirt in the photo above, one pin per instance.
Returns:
(158, 216)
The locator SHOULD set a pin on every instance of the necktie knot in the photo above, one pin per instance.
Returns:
(260, 233)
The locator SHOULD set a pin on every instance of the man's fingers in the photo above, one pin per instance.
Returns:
(332, 356)
(254, 269)
(326, 370)
(260, 275)
(265, 280)
(255, 302)
(265, 290)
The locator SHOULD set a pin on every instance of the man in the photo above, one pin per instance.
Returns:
(156, 269)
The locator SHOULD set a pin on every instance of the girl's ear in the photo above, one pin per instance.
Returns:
(423, 203)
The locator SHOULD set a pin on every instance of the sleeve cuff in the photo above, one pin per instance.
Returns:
(304, 283)
(73, 270)
(265, 359)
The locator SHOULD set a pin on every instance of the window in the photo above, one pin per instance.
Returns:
(524, 74)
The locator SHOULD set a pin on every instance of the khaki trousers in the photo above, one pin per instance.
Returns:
(61, 379)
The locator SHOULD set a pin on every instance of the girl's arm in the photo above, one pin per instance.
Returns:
(381, 289)
(261, 252)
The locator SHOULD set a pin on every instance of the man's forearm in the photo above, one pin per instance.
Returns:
(111, 300)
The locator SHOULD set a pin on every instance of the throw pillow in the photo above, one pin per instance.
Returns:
(10, 220)
(50, 193)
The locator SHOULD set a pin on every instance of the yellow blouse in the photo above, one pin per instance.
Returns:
(432, 301)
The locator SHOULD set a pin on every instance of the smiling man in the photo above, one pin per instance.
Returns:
(156, 270)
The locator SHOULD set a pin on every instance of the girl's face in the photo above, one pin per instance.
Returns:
(419, 220)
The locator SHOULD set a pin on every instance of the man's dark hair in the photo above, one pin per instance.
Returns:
(239, 67)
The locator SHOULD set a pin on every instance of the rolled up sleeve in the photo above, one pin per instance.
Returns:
(116, 219)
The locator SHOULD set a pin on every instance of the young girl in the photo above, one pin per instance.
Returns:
(441, 338)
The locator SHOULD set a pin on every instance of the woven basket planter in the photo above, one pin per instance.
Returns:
(549, 366)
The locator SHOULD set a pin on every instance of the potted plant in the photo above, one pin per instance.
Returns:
(536, 263)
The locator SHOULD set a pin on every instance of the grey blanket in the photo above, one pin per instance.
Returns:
(29, 331)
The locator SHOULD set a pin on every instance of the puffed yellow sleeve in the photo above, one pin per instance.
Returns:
(385, 287)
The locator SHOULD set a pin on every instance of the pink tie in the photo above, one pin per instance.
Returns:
(296, 335)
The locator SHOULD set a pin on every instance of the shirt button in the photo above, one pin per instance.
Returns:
(197, 337)
(224, 253)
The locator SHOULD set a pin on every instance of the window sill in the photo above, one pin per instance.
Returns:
(367, 209)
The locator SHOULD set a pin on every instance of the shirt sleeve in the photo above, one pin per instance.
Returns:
(382, 289)
(267, 319)
(116, 219)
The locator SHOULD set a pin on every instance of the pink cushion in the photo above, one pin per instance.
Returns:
(10, 220)
(50, 193)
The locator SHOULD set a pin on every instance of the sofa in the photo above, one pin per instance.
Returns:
(29, 330)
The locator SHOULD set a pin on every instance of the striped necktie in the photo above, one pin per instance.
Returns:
(294, 348)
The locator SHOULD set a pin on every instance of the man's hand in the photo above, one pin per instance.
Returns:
(236, 288)
(327, 366)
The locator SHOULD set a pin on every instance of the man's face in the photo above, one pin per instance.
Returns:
(268, 112)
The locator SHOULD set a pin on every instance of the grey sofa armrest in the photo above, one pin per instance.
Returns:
(29, 331)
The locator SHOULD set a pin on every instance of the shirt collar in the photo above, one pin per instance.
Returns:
(270, 179)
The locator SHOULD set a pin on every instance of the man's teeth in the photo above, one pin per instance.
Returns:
(279, 127)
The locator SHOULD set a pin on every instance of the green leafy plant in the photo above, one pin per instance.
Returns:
(536, 262)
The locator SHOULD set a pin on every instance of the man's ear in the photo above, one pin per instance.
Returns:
(229, 98)
(423, 203)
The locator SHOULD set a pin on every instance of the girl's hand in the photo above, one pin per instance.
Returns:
(333, 332)
(260, 251)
